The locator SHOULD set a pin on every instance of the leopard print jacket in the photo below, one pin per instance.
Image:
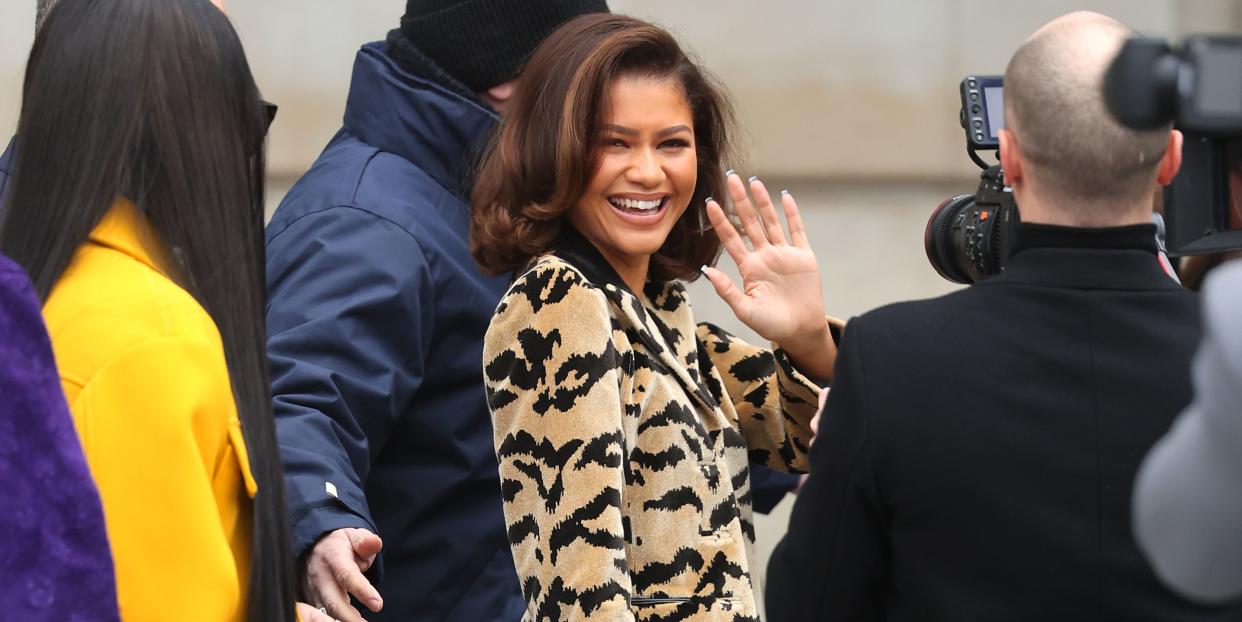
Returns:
(624, 435)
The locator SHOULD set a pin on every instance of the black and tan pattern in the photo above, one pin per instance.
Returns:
(624, 434)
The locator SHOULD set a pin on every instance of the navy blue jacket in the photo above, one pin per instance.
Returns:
(375, 320)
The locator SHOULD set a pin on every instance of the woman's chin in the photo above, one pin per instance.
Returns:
(643, 246)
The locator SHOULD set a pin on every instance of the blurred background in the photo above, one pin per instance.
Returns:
(851, 105)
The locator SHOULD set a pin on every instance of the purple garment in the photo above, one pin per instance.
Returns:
(54, 558)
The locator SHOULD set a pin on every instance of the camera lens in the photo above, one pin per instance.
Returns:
(962, 240)
(944, 238)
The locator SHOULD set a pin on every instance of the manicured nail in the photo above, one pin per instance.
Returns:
(754, 179)
(707, 200)
(730, 173)
(703, 269)
(784, 192)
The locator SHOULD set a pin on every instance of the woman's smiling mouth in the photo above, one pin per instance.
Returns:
(638, 207)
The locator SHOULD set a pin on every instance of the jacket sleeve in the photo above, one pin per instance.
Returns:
(774, 401)
(350, 312)
(51, 517)
(158, 425)
(769, 487)
(554, 388)
(1188, 493)
(831, 563)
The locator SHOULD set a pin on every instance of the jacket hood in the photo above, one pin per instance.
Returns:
(396, 111)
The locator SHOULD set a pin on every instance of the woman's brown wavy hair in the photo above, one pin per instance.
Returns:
(543, 155)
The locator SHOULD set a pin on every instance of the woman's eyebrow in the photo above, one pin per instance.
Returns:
(620, 129)
(672, 130)
(626, 131)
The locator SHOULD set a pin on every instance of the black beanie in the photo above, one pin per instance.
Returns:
(483, 43)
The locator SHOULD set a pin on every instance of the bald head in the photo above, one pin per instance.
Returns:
(1071, 146)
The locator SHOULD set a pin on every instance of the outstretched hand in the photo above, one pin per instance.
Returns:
(781, 297)
(332, 572)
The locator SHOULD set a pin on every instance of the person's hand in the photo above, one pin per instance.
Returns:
(333, 571)
(823, 399)
(307, 613)
(781, 297)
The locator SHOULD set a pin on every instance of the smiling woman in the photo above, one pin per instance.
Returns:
(601, 94)
(644, 178)
(624, 432)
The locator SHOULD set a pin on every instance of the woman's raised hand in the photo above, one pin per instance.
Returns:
(781, 297)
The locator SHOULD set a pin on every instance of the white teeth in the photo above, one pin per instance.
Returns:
(632, 204)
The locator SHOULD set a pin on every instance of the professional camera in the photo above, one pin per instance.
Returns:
(1198, 88)
(967, 237)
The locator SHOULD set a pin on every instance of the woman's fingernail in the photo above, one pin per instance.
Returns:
(784, 192)
(707, 200)
(729, 173)
(754, 179)
(703, 269)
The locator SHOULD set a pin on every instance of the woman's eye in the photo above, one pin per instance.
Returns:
(615, 142)
(675, 144)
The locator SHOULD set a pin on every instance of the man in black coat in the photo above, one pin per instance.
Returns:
(977, 453)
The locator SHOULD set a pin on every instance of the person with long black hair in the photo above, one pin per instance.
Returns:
(136, 206)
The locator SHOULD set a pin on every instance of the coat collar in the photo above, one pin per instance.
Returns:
(426, 124)
(124, 228)
(661, 318)
(575, 249)
(1108, 258)
(1035, 235)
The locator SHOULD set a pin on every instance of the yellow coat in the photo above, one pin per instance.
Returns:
(143, 369)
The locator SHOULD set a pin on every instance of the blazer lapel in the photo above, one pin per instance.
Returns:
(672, 353)
(676, 352)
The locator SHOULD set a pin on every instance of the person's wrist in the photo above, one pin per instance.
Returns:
(813, 353)
(807, 340)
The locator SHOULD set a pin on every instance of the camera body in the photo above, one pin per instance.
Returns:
(1198, 88)
(968, 237)
(983, 110)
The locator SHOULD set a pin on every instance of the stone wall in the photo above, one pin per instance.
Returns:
(827, 89)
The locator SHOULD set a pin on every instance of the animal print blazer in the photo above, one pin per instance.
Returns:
(624, 435)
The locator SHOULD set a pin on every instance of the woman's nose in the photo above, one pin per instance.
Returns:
(645, 169)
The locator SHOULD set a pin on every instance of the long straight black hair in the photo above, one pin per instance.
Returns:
(153, 101)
